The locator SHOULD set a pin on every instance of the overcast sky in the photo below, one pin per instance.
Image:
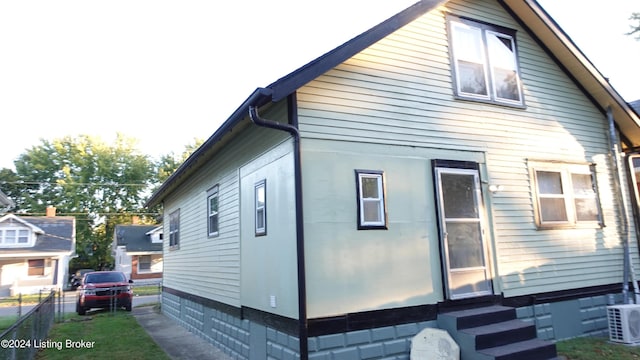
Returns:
(166, 72)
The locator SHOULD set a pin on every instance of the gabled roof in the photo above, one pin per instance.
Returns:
(56, 234)
(635, 105)
(136, 238)
(5, 201)
(528, 12)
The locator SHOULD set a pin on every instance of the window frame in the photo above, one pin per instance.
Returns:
(485, 55)
(211, 194)
(569, 196)
(260, 212)
(174, 229)
(363, 224)
(140, 269)
(20, 233)
(41, 269)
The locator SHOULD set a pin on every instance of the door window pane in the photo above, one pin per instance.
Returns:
(464, 245)
(459, 192)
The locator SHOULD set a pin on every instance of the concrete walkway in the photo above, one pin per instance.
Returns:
(175, 340)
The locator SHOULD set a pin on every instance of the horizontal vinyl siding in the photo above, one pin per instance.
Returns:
(210, 266)
(399, 92)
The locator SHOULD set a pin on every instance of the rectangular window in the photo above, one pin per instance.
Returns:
(212, 211)
(372, 212)
(261, 207)
(485, 62)
(144, 263)
(36, 267)
(566, 195)
(174, 228)
(17, 237)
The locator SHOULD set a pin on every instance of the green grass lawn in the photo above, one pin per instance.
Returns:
(105, 336)
(7, 321)
(596, 348)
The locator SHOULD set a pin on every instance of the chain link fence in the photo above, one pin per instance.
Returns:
(23, 339)
(29, 333)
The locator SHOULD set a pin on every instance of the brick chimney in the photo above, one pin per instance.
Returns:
(135, 219)
(51, 211)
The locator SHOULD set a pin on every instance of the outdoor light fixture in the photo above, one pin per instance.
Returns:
(495, 188)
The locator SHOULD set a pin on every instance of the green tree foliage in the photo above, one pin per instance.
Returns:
(635, 28)
(169, 163)
(86, 178)
(100, 184)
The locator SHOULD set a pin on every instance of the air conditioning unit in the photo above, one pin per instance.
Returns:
(624, 323)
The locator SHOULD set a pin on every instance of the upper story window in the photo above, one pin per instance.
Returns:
(485, 62)
(372, 211)
(15, 237)
(212, 211)
(566, 195)
(174, 229)
(261, 207)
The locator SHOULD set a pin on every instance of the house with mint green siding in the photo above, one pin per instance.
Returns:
(461, 166)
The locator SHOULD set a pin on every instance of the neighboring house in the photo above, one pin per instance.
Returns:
(455, 155)
(137, 250)
(35, 252)
(5, 203)
(635, 105)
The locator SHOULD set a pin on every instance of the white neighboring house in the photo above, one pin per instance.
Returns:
(35, 252)
(5, 202)
(137, 250)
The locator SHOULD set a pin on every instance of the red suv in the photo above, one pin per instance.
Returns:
(104, 289)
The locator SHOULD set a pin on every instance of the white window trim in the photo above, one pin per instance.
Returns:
(30, 237)
(483, 30)
(381, 200)
(174, 232)
(211, 193)
(260, 230)
(565, 170)
(152, 257)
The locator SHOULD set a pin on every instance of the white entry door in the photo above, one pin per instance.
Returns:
(461, 214)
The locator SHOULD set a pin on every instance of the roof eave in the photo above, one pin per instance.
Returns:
(259, 97)
(580, 67)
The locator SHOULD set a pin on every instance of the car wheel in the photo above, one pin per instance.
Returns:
(128, 307)
(80, 309)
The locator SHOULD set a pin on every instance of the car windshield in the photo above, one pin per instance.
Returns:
(104, 278)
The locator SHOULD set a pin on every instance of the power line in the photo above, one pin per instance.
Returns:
(73, 183)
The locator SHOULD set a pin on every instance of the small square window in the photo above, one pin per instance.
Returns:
(372, 212)
(36, 267)
(484, 62)
(261, 207)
